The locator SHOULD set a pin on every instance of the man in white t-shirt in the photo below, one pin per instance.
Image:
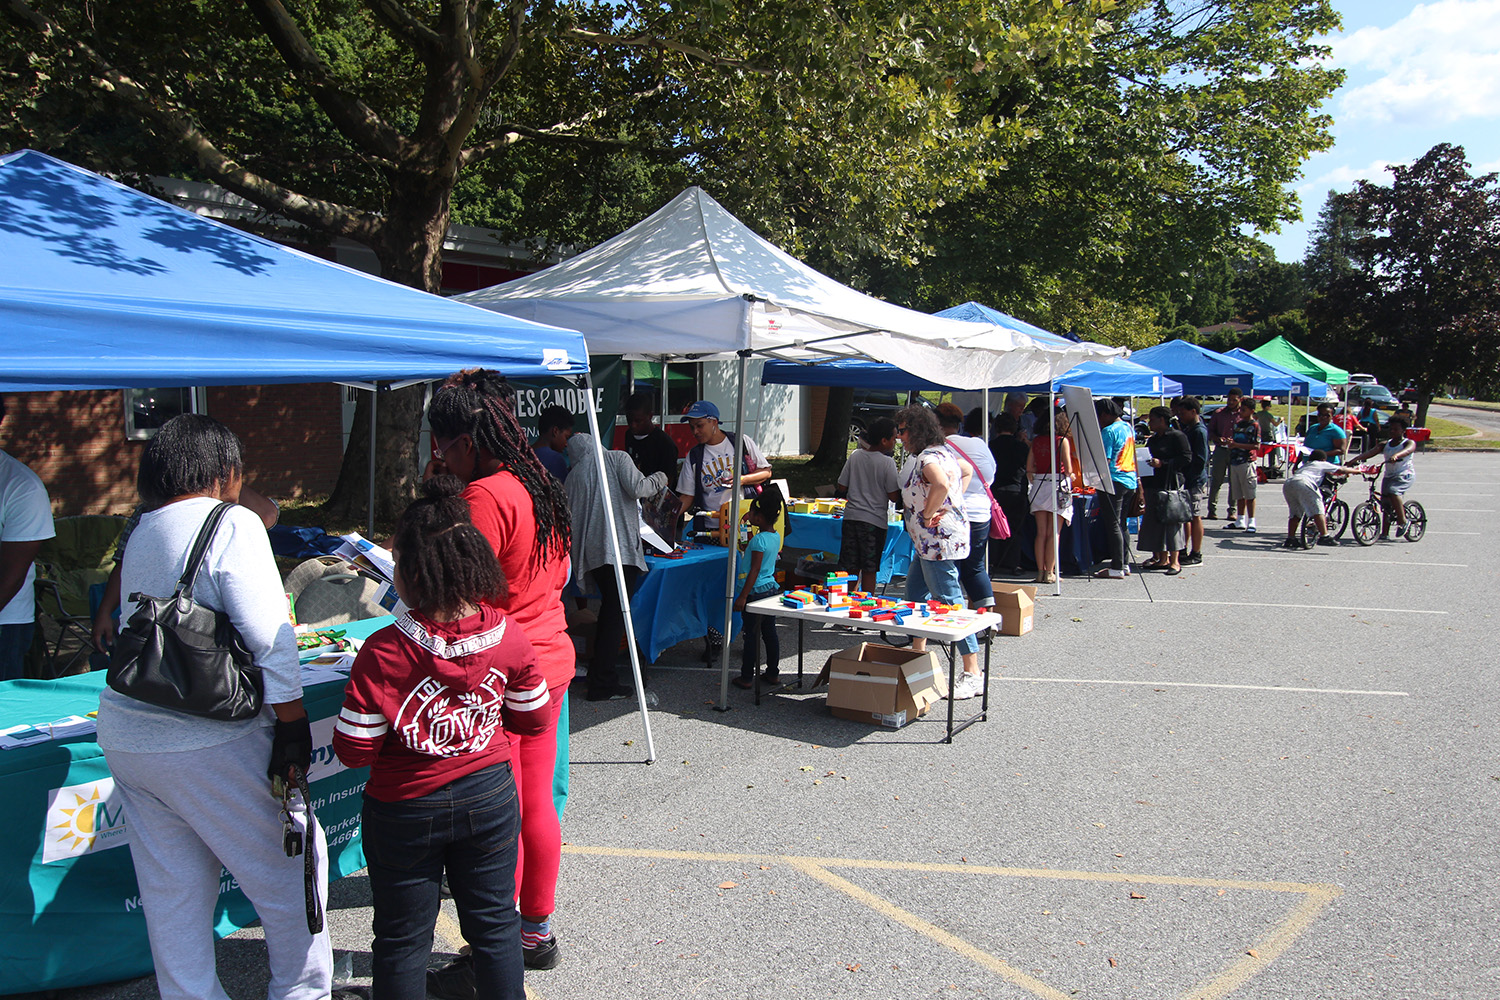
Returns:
(707, 475)
(25, 522)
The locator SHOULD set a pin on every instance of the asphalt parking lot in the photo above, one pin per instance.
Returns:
(1273, 776)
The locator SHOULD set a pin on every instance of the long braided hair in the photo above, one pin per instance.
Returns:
(480, 403)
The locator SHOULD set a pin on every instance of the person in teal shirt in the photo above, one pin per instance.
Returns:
(1119, 448)
(1326, 436)
(760, 581)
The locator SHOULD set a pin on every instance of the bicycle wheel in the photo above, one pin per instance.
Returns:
(1366, 523)
(1309, 532)
(1338, 518)
(1416, 521)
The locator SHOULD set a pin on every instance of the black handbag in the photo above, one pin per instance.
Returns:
(1172, 506)
(178, 654)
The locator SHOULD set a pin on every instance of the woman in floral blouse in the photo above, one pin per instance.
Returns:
(932, 487)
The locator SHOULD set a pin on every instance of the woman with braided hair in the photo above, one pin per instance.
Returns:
(522, 510)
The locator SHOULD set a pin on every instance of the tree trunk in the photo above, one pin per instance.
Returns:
(833, 449)
(1424, 400)
(410, 250)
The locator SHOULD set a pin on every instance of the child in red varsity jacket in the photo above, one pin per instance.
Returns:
(425, 706)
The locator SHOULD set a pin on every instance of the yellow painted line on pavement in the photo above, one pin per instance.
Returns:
(1317, 898)
(1269, 948)
(891, 911)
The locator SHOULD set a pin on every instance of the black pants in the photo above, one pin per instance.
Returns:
(1010, 552)
(611, 628)
(1113, 505)
(759, 629)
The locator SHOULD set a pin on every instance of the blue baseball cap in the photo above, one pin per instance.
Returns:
(702, 408)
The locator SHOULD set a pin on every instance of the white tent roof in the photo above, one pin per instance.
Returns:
(693, 282)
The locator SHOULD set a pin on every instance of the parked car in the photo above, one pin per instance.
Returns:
(870, 404)
(1363, 378)
(1373, 392)
(1409, 393)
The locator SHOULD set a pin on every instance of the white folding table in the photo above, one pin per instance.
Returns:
(977, 622)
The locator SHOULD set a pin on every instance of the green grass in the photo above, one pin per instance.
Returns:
(1472, 404)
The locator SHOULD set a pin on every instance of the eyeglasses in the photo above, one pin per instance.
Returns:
(439, 450)
(900, 430)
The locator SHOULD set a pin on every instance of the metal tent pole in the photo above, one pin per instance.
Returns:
(1056, 514)
(733, 529)
(370, 509)
(587, 383)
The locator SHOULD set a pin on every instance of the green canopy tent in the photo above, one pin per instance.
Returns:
(1283, 352)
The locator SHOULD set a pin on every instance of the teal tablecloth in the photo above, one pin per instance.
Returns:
(70, 913)
(824, 533)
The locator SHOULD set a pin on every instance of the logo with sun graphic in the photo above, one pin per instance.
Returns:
(82, 819)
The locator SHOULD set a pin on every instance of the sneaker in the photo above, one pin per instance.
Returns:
(546, 955)
(1291, 543)
(967, 686)
(1191, 560)
(1328, 540)
(454, 981)
(1250, 526)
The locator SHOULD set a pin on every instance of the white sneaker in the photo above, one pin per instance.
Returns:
(966, 686)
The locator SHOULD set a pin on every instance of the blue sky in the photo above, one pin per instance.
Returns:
(1416, 74)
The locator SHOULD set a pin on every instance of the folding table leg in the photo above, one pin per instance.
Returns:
(800, 624)
(952, 677)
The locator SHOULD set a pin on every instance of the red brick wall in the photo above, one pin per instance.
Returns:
(75, 441)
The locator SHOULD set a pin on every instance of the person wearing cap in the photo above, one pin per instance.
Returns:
(707, 476)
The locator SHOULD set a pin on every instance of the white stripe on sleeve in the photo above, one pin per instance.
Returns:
(361, 732)
(526, 701)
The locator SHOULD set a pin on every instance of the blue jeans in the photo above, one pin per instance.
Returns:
(470, 827)
(15, 642)
(974, 572)
(938, 577)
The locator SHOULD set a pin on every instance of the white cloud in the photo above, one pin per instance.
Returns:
(1439, 64)
(1342, 177)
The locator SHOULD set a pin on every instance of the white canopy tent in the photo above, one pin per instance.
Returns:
(693, 283)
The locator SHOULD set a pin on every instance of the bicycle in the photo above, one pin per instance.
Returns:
(1336, 510)
(1372, 519)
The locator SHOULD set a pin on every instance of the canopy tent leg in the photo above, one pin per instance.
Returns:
(370, 509)
(733, 530)
(587, 383)
(1056, 514)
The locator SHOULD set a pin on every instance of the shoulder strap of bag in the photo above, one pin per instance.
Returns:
(949, 443)
(200, 549)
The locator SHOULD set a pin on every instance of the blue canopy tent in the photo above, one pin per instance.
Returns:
(1297, 384)
(1201, 371)
(1117, 377)
(107, 288)
(978, 312)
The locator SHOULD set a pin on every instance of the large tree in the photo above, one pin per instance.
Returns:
(834, 128)
(1420, 298)
(1144, 164)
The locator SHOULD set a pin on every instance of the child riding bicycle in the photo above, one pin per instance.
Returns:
(1399, 474)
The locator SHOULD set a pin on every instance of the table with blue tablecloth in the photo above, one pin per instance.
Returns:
(70, 913)
(678, 599)
(824, 533)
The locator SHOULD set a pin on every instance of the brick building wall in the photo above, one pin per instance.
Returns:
(75, 441)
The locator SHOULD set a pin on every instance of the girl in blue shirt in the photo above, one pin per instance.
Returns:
(760, 581)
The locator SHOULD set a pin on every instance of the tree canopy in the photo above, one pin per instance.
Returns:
(1420, 297)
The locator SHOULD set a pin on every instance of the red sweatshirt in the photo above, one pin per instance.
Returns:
(440, 691)
(502, 511)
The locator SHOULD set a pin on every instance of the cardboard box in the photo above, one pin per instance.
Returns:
(1016, 604)
(881, 684)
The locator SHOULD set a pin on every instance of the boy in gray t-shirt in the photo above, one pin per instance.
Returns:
(868, 482)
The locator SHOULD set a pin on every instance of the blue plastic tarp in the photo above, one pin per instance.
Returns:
(104, 287)
(1202, 372)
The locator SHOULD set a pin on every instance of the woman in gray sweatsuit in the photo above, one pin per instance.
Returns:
(196, 791)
